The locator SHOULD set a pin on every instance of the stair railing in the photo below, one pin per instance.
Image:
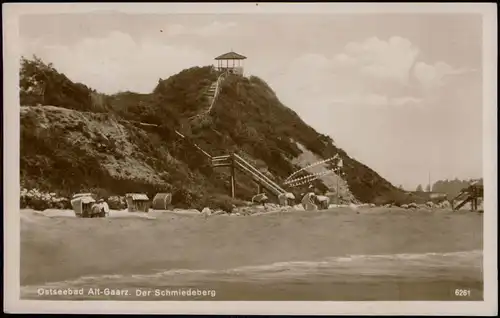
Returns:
(216, 94)
(258, 173)
(257, 178)
(217, 90)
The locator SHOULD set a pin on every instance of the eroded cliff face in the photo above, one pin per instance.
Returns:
(331, 177)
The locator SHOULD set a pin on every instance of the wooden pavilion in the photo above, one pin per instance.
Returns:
(231, 61)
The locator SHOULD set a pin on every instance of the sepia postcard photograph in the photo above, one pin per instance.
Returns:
(250, 158)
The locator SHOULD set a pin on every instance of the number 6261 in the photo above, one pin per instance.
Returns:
(462, 292)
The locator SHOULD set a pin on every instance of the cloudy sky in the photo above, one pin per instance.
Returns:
(401, 93)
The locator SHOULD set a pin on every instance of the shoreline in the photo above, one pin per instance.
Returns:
(256, 210)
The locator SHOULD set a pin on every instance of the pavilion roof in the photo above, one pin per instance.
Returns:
(231, 56)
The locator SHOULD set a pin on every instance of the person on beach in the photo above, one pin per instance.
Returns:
(103, 208)
(308, 201)
(206, 212)
(96, 210)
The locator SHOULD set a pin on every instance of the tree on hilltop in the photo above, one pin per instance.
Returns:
(41, 84)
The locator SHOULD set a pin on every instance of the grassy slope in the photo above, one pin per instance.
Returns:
(248, 118)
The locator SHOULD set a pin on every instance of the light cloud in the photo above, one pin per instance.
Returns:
(393, 60)
(175, 29)
(434, 76)
(214, 28)
(209, 30)
(372, 72)
(378, 100)
(117, 62)
(312, 60)
(390, 60)
(405, 100)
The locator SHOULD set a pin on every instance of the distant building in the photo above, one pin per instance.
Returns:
(231, 61)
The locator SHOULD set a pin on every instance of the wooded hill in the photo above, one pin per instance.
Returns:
(78, 139)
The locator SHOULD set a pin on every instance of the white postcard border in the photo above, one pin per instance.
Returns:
(13, 304)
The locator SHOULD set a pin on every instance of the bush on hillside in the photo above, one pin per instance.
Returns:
(183, 92)
(37, 204)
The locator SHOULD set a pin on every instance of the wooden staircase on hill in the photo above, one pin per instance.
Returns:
(235, 161)
(212, 93)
